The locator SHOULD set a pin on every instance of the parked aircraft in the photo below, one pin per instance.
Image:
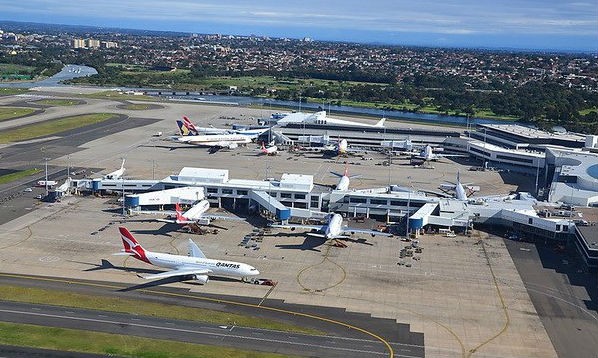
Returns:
(333, 229)
(195, 130)
(196, 266)
(462, 191)
(321, 118)
(270, 150)
(427, 154)
(117, 174)
(46, 183)
(230, 141)
(190, 129)
(345, 179)
(332, 147)
(196, 215)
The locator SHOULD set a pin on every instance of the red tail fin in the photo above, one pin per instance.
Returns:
(346, 170)
(179, 213)
(131, 245)
(189, 125)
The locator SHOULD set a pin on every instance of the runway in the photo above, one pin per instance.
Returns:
(338, 342)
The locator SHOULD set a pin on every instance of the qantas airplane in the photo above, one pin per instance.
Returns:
(427, 154)
(345, 179)
(270, 150)
(462, 191)
(117, 174)
(333, 229)
(196, 215)
(196, 266)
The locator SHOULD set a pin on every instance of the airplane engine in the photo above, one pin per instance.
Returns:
(233, 146)
(201, 279)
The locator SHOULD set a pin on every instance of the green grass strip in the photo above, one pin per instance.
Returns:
(12, 91)
(52, 127)
(72, 340)
(144, 308)
(7, 113)
(7, 178)
(58, 102)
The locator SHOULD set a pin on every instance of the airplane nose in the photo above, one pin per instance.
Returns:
(256, 272)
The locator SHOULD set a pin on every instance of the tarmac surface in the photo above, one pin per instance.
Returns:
(563, 294)
(463, 294)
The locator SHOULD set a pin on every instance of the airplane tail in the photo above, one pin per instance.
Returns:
(179, 214)
(131, 245)
(380, 122)
(190, 126)
(122, 165)
(186, 130)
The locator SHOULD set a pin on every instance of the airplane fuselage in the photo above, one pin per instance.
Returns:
(216, 267)
(334, 227)
(215, 140)
(343, 183)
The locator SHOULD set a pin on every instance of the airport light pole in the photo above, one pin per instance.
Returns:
(537, 175)
(123, 193)
(46, 160)
(408, 204)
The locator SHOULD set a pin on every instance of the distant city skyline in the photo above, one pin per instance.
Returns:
(518, 24)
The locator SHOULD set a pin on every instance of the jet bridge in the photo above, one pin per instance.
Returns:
(271, 204)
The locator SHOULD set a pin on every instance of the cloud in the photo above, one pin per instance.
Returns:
(461, 17)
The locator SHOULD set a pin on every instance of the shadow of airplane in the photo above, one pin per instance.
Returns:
(169, 147)
(107, 265)
(309, 244)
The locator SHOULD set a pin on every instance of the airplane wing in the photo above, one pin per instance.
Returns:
(351, 230)
(178, 272)
(195, 251)
(170, 221)
(293, 227)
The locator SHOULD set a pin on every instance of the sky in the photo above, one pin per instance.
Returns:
(517, 24)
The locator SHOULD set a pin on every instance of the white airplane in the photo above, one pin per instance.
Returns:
(117, 174)
(460, 189)
(46, 183)
(427, 154)
(196, 215)
(321, 118)
(333, 229)
(195, 130)
(270, 150)
(329, 146)
(192, 129)
(195, 266)
(345, 179)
